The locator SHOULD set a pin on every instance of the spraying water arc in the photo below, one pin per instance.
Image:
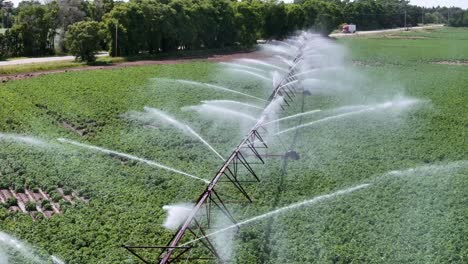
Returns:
(284, 60)
(252, 74)
(242, 66)
(222, 111)
(204, 142)
(294, 116)
(177, 124)
(217, 87)
(224, 102)
(399, 104)
(22, 139)
(273, 213)
(22, 249)
(270, 65)
(131, 157)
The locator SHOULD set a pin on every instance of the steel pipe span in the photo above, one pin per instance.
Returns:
(279, 91)
(283, 92)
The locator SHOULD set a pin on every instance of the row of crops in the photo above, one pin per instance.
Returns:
(405, 216)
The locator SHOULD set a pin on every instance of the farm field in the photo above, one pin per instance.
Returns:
(413, 162)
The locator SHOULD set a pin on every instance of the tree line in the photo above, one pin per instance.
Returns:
(129, 28)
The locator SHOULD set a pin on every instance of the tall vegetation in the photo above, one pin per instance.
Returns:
(81, 39)
(33, 30)
(154, 26)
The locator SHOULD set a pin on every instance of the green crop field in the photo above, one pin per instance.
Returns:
(411, 165)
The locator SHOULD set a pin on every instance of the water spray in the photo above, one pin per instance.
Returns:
(217, 87)
(310, 202)
(183, 127)
(221, 110)
(294, 116)
(270, 65)
(252, 73)
(237, 65)
(217, 102)
(399, 104)
(131, 157)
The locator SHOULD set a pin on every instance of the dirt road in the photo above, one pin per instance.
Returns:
(364, 33)
(43, 59)
(213, 58)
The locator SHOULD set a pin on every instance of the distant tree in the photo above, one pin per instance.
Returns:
(440, 18)
(6, 11)
(12, 43)
(98, 8)
(430, 18)
(458, 17)
(204, 14)
(184, 26)
(83, 39)
(295, 18)
(129, 22)
(275, 21)
(248, 21)
(322, 16)
(225, 24)
(158, 20)
(367, 14)
(3, 55)
(69, 12)
(465, 19)
(34, 27)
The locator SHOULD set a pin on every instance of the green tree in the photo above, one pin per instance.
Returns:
(204, 16)
(184, 27)
(6, 12)
(83, 39)
(3, 54)
(275, 20)
(322, 16)
(225, 24)
(248, 21)
(35, 27)
(126, 22)
(68, 13)
(465, 19)
(158, 18)
(295, 17)
(98, 8)
(430, 18)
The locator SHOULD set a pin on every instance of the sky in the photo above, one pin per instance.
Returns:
(427, 3)
(449, 3)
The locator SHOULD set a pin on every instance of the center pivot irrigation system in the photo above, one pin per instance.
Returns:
(200, 217)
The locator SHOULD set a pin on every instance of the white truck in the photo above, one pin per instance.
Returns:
(351, 28)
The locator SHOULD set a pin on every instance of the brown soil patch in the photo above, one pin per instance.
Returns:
(214, 58)
(82, 127)
(44, 204)
(79, 130)
(456, 63)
